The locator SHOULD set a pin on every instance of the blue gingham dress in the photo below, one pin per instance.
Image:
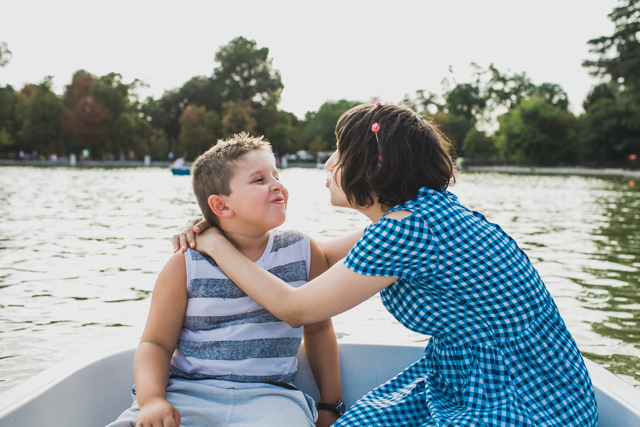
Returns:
(499, 353)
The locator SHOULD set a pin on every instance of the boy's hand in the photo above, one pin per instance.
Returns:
(326, 418)
(187, 238)
(158, 413)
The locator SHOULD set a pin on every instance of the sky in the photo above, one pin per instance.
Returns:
(325, 50)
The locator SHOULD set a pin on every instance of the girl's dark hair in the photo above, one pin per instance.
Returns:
(409, 153)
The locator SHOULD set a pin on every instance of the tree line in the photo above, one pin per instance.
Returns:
(499, 117)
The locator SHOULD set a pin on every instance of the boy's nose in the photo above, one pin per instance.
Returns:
(277, 185)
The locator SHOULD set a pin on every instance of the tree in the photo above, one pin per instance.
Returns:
(128, 129)
(464, 105)
(537, 133)
(6, 116)
(323, 124)
(479, 146)
(610, 129)
(84, 125)
(41, 127)
(603, 90)
(198, 91)
(246, 73)
(5, 54)
(198, 130)
(237, 117)
(624, 67)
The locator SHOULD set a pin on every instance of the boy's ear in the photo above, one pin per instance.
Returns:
(219, 206)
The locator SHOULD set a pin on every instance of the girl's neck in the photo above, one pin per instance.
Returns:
(373, 212)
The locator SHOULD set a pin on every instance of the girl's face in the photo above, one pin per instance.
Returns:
(338, 198)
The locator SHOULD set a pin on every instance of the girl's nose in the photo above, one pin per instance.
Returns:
(331, 161)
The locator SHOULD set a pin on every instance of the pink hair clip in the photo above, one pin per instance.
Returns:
(375, 128)
(378, 104)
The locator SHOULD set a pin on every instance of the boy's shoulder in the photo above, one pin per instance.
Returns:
(285, 238)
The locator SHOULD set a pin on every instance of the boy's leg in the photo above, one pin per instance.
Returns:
(200, 405)
(273, 406)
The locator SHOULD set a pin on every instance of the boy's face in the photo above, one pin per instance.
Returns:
(257, 196)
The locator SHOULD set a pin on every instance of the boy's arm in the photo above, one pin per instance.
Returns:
(336, 249)
(158, 342)
(322, 349)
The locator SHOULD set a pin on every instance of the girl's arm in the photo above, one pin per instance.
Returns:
(159, 339)
(333, 292)
(336, 249)
(322, 349)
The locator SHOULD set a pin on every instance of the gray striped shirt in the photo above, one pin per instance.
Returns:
(226, 335)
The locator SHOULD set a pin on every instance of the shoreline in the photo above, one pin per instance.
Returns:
(111, 164)
(108, 164)
(604, 172)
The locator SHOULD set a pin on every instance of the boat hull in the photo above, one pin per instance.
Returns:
(93, 387)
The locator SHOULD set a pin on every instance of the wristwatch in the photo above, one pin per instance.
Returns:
(337, 408)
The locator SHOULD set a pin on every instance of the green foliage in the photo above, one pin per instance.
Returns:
(127, 125)
(246, 74)
(610, 129)
(623, 67)
(41, 129)
(198, 130)
(5, 138)
(158, 145)
(603, 90)
(237, 117)
(537, 133)
(479, 146)
(5, 54)
(509, 91)
(317, 145)
(322, 124)
(112, 94)
(6, 114)
(465, 100)
(611, 123)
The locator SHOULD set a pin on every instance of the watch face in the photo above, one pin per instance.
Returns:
(340, 407)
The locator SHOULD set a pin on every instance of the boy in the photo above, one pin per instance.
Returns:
(209, 354)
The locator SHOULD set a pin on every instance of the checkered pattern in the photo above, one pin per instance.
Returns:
(499, 353)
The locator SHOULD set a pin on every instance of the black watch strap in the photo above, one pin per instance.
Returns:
(337, 408)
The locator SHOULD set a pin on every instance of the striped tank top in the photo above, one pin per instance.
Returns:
(226, 335)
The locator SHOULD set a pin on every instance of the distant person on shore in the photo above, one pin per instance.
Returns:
(209, 354)
(499, 352)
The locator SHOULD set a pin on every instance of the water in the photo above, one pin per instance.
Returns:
(80, 250)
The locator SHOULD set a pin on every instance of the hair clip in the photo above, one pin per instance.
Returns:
(375, 128)
(378, 105)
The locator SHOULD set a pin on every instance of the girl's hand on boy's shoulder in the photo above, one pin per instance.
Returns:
(210, 239)
(187, 237)
(158, 413)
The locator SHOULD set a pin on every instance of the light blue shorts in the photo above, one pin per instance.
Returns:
(203, 405)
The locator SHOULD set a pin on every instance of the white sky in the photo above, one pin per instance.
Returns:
(325, 50)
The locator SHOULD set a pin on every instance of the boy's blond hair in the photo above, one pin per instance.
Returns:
(213, 170)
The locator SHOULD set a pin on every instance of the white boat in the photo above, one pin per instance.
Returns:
(93, 387)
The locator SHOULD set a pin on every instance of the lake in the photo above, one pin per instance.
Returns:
(80, 250)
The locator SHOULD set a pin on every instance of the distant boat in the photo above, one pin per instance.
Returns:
(93, 387)
(180, 171)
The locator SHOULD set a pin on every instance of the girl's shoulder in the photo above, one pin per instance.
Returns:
(426, 202)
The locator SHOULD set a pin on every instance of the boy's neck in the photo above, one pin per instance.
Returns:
(251, 246)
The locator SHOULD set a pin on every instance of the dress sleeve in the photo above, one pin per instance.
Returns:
(402, 248)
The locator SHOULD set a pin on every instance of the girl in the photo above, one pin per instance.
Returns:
(499, 352)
